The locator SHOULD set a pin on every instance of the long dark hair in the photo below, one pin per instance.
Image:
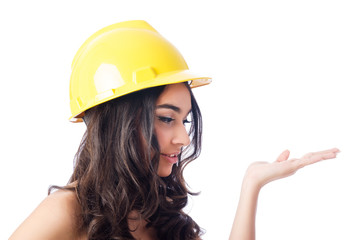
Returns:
(116, 171)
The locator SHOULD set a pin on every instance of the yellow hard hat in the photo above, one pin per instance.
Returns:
(122, 58)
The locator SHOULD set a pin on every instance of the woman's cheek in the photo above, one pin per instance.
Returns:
(162, 135)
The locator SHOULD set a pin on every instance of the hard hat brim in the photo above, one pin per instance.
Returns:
(194, 80)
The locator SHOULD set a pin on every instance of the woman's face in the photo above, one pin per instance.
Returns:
(172, 108)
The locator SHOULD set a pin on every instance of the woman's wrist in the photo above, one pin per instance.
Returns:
(250, 187)
(251, 181)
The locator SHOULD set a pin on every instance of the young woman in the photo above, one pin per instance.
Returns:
(132, 89)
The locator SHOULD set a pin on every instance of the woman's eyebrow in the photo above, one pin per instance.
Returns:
(169, 106)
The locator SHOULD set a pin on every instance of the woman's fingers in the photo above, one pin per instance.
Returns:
(283, 156)
(332, 150)
(261, 173)
(314, 157)
(311, 157)
(311, 154)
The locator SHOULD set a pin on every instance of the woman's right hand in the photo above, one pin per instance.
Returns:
(260, 173)
(257, 175)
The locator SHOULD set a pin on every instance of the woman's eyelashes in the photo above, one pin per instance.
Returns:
(186, 121)
(165, 119)
(169, 120)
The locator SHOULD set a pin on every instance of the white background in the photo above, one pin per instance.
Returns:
(286, 76)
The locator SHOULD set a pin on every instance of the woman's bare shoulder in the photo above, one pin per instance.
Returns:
(54, 218)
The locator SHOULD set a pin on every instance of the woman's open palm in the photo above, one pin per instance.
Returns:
(261, 173)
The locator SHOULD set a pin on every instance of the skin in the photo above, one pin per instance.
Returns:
(55, 218)
(259, 174)
(172, 109)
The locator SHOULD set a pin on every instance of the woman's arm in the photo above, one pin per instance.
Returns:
(259, 174)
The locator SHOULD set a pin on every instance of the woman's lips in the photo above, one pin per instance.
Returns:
(172, 158)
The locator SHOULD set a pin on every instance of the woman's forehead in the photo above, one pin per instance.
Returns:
(177, 95)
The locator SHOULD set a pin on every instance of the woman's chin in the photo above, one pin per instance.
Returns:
(164, 172)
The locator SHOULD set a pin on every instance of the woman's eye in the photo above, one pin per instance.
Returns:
(165, 119)
(186, 121)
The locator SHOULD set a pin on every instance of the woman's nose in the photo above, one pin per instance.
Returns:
(181, 136)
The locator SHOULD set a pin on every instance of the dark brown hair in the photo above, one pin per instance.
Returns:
(116, 171)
